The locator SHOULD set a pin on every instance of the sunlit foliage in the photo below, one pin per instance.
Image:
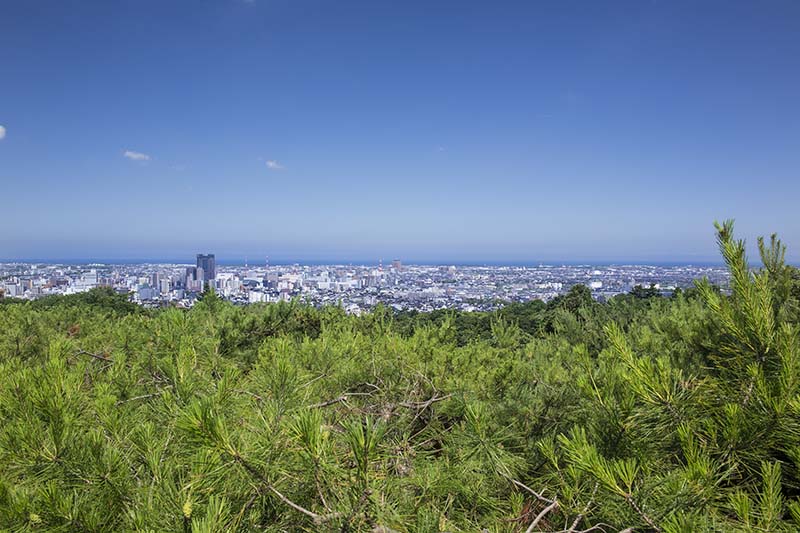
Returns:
(649, 413)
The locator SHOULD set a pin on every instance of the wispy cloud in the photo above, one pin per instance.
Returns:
(2, 133)
(136, 156)
(274, 165)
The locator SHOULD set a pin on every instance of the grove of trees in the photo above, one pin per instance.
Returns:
(643, 413)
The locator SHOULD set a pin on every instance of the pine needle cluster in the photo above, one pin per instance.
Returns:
(643, 413)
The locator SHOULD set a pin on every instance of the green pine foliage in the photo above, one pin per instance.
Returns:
(642, 413)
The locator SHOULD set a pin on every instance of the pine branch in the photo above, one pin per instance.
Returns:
(527, 488)
(327, 403)
(641, 513)
(361, 501)
(143, 396)
(253, 471)
(573, 527)
(95, 356)
(541, 515)
(424, 405)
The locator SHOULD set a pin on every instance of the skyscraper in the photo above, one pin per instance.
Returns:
(209, 265)
(191, 275)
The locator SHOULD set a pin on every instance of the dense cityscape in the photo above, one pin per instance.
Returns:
(357, 288)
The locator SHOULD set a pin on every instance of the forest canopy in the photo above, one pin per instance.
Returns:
(642, 413)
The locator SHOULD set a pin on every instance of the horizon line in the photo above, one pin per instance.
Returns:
(373, 262)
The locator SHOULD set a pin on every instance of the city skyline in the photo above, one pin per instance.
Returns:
(314, 131)
(368, 262)
(356, 288)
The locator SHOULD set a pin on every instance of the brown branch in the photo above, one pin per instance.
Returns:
(253, 471)
(293, 505)
(638, 509)
(307, 383)
(95, 355)
(238, 518)
(523, 486)
(422, 406)
(142, 397)
(342, 398)
(328, 402)
(361, 501)
(253, 394)
(541, 515)
(599, 526)
(318, 484)
(574, 526)
(425, 404)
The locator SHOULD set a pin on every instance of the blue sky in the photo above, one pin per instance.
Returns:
(426, 130)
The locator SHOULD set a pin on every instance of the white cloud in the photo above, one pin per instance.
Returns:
(274, 165)
(2, 133)
(136, 156)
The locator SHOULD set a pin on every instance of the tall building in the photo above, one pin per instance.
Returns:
(164, 286)
(191, 275)
(209, 265)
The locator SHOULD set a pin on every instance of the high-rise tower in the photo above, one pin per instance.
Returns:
(209, 265)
